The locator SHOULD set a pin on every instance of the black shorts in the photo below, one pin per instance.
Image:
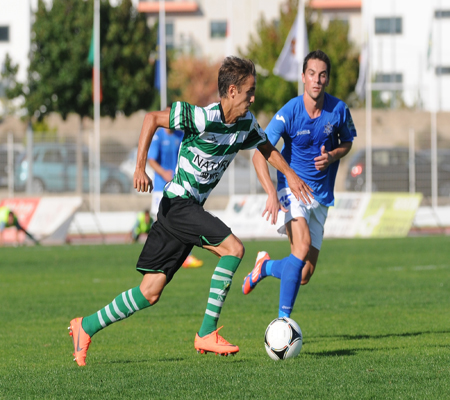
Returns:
(181, 224)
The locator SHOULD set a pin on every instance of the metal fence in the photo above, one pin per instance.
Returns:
(64, 164)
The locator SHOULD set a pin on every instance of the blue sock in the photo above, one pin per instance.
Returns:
(291, 278)
(275, 267)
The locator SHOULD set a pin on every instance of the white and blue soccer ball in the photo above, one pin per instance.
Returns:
(283, 339)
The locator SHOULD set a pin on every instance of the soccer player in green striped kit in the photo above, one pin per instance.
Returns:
(212, 137)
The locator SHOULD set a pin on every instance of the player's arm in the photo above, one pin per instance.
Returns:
(166, 174)
(298, 187)
(272, 203)
(326, 158)
(152, 120)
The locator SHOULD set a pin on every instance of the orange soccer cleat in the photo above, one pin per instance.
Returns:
(254, 276)
(192, 262)
(215, 344)
(81, 341)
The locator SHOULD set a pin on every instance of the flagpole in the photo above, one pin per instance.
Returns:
(367, 19)
(162, 54)
(299, 46)
(97, 105)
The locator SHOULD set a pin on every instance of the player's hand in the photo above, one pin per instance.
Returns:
(272, 207)
(323, 161)
(299, 188)
(142, 182)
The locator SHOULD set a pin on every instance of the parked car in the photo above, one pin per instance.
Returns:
(55, 170)
(17, 150)
(390, 171)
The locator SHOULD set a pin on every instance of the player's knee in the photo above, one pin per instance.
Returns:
(238, 250)
(152, 298)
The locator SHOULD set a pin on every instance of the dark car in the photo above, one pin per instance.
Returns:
(391, 171)
(55, 170)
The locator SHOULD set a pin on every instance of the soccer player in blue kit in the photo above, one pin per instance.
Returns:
(318, 131)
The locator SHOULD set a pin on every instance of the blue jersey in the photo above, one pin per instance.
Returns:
(303, 138)
(164, 150)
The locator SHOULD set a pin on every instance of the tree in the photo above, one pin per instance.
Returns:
(128, 74)
(273, 92)
(9, 87)
(60, 77)
(193, 80)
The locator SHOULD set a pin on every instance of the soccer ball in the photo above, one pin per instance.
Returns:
(283, 339)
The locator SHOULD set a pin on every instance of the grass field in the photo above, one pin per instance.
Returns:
(375, 320)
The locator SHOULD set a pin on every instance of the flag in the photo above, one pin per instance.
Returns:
(360, 88)
(91, 62)
(295, 49)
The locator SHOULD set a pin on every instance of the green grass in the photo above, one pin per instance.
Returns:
(375, 320)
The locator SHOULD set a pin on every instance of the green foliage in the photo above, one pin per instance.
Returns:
(374, 319)
(127, 74)
(272, 91)
(60, 76)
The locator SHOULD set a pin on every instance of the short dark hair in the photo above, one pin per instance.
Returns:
(234, 71)
(318, 55)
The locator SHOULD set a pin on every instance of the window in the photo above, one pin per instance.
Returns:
(170, 41)
(52, 156)
(391, 25)
(442, 70)
(389, 78)
(438, 14)
(4, 33)
(218, 29)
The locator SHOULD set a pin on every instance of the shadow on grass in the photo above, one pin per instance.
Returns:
(334, 353)
(388, 335)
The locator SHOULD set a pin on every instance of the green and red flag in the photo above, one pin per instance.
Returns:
(91, 62)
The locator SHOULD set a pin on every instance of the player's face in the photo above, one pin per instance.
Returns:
(244, 98)
(315, 78)
(10, 219)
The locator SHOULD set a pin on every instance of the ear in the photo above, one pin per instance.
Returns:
(232, 91)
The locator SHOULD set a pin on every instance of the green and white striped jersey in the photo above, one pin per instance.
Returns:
(207, 148)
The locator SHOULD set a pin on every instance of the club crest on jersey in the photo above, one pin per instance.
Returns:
(328, 128)
(280, 118)
(210, 138)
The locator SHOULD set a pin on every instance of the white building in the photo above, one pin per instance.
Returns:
(409, 50)
(211, 29)
(15, 25)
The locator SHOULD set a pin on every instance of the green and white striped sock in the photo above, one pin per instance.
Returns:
(123, 306)
(220, 285)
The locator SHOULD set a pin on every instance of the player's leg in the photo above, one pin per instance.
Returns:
(290, 268)
(20, 228)
(123, 306)
(160, 258)
(316, 227)
(297, 215)
(310, 265)
(230, 252)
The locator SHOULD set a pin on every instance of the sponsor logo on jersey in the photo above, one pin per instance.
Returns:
(304, 132)
(328, 128)
(206, 165)
(280, 118)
